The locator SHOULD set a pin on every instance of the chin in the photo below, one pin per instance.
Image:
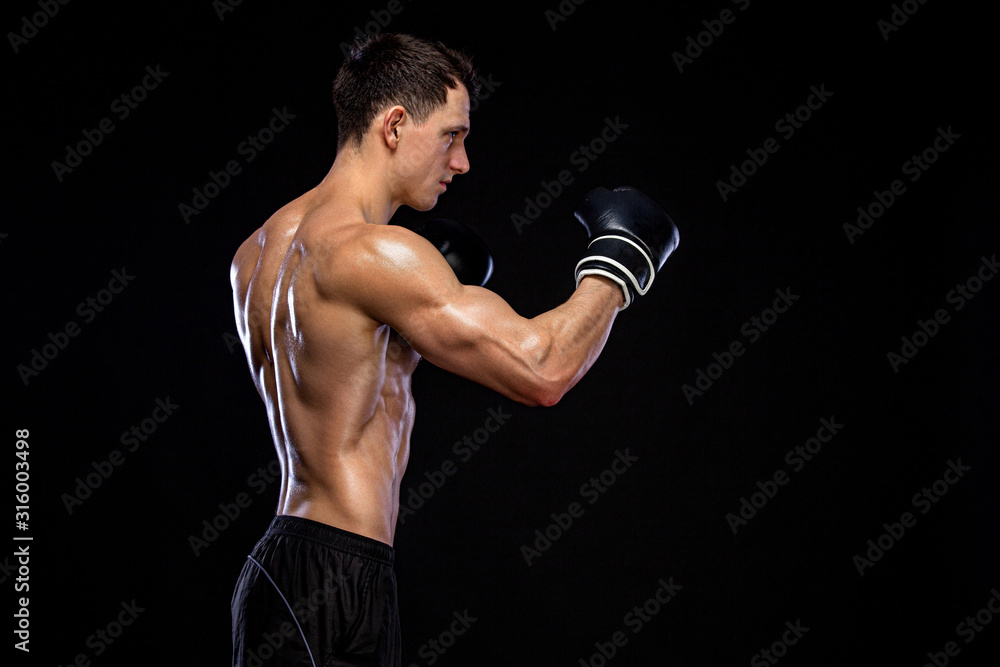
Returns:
(426, 205)
(422, 202)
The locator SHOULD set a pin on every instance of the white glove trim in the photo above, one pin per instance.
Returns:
(652, 269)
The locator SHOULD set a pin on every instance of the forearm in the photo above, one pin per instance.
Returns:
(573, 335)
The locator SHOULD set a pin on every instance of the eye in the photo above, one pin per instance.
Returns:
(453, 134)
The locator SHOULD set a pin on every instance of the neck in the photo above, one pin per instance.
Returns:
(361, 177)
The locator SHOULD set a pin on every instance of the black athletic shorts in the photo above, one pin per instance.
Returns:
(317, 596)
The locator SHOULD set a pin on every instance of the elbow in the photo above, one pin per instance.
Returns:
(539, 399)
(549, 400)
(542, 399)
(535, 390)
(552, 394)
(547, 391)
(549, 375)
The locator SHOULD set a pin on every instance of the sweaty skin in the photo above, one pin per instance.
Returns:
(320, 291)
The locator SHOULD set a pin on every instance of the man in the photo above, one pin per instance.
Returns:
(320, 291)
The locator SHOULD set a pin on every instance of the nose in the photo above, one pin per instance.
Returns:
(460, 161)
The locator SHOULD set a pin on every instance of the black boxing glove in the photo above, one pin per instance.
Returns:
(632, 236)
(467, 254)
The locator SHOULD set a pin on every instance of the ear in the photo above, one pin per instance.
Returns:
(392, 122)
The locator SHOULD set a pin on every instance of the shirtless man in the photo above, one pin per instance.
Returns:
(320, 291)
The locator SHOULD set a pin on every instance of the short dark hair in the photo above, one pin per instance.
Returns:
(388, 69)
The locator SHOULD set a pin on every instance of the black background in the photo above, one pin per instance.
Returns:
(170, 332)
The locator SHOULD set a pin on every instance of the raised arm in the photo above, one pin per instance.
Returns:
(473, 332)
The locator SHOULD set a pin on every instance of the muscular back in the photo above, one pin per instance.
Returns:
(335, 381)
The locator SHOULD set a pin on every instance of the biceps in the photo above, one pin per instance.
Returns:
(472, 324)
(467, 330)
(477, 335)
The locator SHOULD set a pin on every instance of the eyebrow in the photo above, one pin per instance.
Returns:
(463, 128)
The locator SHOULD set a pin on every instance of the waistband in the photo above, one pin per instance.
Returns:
(333, 537)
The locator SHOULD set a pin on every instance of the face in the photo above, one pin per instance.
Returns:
(428, 156)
